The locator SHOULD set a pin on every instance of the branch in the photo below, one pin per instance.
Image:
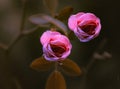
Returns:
(22, 25)
(26, 32)
(91, 63)
(3, 46)
(14, 42)
(23, 15)
(100, 47)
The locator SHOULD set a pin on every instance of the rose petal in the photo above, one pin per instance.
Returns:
(55, 46)
(86, 26)
(72, 23)
(46, 36)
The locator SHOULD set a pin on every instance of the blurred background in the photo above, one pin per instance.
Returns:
(15, 72)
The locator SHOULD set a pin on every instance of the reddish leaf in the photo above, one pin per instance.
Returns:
(40, 64)
(56, 81)
(70, 67)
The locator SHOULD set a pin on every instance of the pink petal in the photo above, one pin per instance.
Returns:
(72, 23)
(46, 36)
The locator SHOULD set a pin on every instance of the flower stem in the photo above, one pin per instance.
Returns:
(23, 15)
(56, 66)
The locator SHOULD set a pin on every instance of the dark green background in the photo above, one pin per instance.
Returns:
(14, 68)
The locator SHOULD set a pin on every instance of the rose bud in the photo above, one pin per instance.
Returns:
(86, 26)
(55, 46)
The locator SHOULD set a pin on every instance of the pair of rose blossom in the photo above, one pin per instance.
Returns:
(56, 46)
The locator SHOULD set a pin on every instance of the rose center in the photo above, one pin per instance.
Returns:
(89, 28)
(58, 50)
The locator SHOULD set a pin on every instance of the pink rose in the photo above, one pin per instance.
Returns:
(86, 26)
(55, 46)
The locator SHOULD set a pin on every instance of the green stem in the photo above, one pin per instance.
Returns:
(13, 42)
(23, 15)
(22, 25)
(27, 32)
(91, 63)
(3, 46)
(56, 66)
